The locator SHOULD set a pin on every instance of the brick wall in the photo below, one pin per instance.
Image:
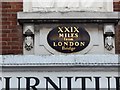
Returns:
(116, 5)
(117, 8)
(12, 33)
(118, 40)
(0, 26)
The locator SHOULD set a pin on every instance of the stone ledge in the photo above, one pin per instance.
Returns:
(68, 15)
(60, 60)
(72, 16)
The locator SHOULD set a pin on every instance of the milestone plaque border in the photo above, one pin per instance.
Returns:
(68, 38)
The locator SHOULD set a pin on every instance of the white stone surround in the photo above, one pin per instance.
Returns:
(68, 5)
(54, 19)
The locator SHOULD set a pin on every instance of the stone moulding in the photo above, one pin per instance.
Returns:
(60, 63)
(73, 16)
(60, 60)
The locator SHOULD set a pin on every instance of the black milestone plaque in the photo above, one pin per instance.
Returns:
(68, 38)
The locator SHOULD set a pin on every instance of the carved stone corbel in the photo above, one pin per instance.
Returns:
(28, 43)
(109, 37)
(28, 37)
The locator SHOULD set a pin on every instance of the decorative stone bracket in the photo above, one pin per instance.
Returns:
(28, 32)
(109, 33)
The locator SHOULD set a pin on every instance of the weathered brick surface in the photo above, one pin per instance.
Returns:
(1, 28)
(117, 8)
(11, 32)
(117, 39)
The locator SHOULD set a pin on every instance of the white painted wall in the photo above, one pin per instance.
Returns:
(68, 5)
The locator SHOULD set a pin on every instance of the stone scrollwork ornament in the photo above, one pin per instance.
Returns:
(28, 43)
(109, 37)
(109, 43)
(28, 40)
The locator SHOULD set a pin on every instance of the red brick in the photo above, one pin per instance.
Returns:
(12, 35)
(12, 27)
(6, 22)
(0, 51)
(5, 31)
(4, 19)
(15, 47)
(14, 51)
(14, 3)
(14, 31)
(4, 51)
(6, 6)
(5, 39)
(3, 43)
(5, 47)
(4, 15)
(21, 47)
(15, 39)
(116, 6)
(4, 34)
(116, 9)
(14, 43)
(4, 26)
(12, 19)
(19, 6)
(118, 40)
(13, 23)
(0, 35)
